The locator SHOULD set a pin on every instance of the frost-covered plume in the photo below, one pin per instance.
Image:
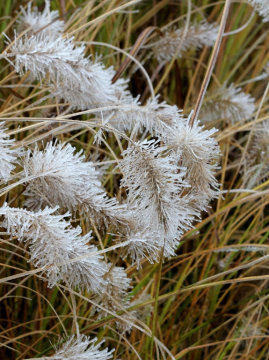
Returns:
(53, 244)
(144, 244)
(158, 118)
(117, 287)
(199, 153)
(257, 162)
(8, 156)
(81, 348)
(115, 295)
(63, 178)
(72, 77)
(82, 83)
(228, 103)
(198, 35)
(262, 7)
(92, 87)
(155, 183)
(42, 54)
(45, 21)
(143, 312)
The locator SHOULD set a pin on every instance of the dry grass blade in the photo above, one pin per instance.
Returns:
(124, 218)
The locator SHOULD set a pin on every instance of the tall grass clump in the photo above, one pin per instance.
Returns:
(134, 171)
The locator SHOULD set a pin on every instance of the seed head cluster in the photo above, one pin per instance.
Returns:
(77, 231)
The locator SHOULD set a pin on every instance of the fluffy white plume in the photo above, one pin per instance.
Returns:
(262, 7)
(145, 245)
(257, 161)
(199, 155)
(228, 103)
(115, 290)
(45, 21)
(81, 348)
(74, 78)
(157, 118)
(63, 178)
(155, 183)
(8, 156)
(42, 54)
(118, 283)
(115, 295)
(91, 87)
(54, 243)
(198, 35)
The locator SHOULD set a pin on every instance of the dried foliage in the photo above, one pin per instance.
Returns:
(126, 216)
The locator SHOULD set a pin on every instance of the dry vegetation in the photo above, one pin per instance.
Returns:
(167, 256)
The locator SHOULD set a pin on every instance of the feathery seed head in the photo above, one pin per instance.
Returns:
(199, 155)
(145, 245)
(90, 86)
(262, 7)
(261, 141)
(257, 162)
(154, 117)
(63, 178)
(198, 35)
(155, 184)
(228, 103)
(115, 290)
(76, 79)
(53, 244)
(8, 156)
(44, 21)
(43, 54)
(81, 348)
(114, 296)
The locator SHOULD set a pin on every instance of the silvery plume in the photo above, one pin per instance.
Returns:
(61, 177)
(198, 152)
(229, 103)
(262, 7)
(57, 247)
(8, 156)
(80, 347)
(35, 21)
(174, 43)
(154, 183)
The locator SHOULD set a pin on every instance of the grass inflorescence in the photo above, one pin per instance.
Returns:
(134, 171)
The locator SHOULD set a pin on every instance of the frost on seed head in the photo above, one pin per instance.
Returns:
(262, 7)
(72, 77)
(42, 55)
(91, 87)
(157, 118)
(57, 247)
(256, 167)
(173, 42)
(145, 245)
(63, 178)
(199, 154)
(8, 156)
(81, 348)
(229, 103)
(115, 296)
(154, 183)
(45, 21)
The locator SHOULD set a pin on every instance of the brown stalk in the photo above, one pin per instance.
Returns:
(139, 42)
(212, 62)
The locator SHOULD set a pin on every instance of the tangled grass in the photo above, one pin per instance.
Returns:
(129, 229)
